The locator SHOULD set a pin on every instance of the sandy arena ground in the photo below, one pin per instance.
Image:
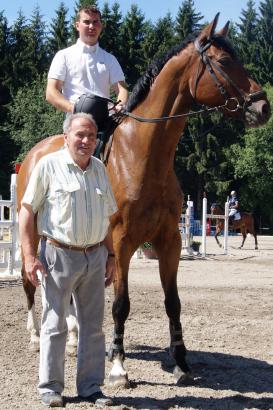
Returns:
(227, 307)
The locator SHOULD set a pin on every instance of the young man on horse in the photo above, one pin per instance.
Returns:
(233, 206)
(80, 76)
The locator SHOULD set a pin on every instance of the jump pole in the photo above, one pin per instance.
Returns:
(205, 215)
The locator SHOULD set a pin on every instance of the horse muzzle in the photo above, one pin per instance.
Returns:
(257, 111)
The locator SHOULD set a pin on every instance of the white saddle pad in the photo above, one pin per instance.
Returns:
(237, 216)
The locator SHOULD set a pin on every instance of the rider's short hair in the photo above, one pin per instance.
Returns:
(88, 10)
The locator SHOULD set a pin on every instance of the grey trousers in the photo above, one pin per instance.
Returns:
(81, 274)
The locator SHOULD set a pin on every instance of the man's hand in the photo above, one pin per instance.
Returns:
(110, 270)
(32, 265)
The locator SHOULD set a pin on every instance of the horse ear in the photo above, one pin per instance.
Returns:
(209, 30)
(224, 30)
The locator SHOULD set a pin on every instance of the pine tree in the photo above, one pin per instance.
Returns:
(37, 43)
(187, 20)
(110, 36)
(4, 62)
(159, 38)
(21, 66)
(247, 39)
(265, 42)
(132, 35)
(59, 31)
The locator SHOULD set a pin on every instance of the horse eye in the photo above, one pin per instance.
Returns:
(224, 61)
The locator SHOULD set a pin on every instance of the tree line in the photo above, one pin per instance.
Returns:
(214, 154)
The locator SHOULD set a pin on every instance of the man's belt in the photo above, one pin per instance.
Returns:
(87, 248)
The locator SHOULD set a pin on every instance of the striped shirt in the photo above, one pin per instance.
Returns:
(73, 205)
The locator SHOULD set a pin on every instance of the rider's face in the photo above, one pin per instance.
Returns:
(89, 27)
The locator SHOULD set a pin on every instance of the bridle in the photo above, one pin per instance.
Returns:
(212, 67)
(231, 104)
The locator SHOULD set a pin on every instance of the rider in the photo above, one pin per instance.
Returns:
(233, 206)
(81, 76)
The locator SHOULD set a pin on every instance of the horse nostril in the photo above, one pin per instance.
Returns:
(265, 109)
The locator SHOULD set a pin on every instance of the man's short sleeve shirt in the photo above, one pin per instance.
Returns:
(85, 69)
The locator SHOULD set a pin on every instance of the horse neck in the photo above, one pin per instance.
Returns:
(169, 95)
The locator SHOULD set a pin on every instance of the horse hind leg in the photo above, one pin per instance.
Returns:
(256, 241)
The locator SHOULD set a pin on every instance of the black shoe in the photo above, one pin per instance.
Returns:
(99, 399)
(52, 399)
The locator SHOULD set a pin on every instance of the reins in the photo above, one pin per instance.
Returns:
(173, 117)
(231, 104)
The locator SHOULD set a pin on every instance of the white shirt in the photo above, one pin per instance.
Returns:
(73, 205)
(85, 69)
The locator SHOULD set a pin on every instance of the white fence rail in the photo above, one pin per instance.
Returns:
(9, 248)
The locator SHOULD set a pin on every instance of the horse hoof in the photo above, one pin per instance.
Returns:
(71, 350)
(119, 381)
(181, 377)
(34, 346)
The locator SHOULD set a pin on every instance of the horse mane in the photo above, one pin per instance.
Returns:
(144, 83)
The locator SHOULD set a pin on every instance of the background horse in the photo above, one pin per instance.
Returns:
(246, 224)
(204, 70)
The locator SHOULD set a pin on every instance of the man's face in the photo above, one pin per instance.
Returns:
(81, 141)
(89, 27)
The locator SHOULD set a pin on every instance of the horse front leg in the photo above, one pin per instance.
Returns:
(217, 232)
(243, 232)
(72, 326)
(120, 311)
(32, 322)
(168, 266)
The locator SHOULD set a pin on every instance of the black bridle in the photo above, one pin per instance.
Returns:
(231, 104)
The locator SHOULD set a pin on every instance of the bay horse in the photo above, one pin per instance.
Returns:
(203, 70)
(246, 224)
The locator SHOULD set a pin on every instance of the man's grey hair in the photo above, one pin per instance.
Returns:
(70, 118)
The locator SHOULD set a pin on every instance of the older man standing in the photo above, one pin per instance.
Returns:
(84, 70)
(70, 191)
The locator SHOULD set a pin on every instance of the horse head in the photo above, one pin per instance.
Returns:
(219, 78)
(216, 209)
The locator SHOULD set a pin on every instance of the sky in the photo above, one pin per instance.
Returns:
(152, 9)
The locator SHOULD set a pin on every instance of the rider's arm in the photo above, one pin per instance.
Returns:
(55, 97)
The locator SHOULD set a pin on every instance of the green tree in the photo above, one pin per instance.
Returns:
(21, 67)
(110, 36)
(201, 161)
(37, 50)
(4, 62)
(247, 39)
(59, 31)
(253, 165)
(187, 20)
(31, 118)
(159, 38)
(265, 42)
(132, 35)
